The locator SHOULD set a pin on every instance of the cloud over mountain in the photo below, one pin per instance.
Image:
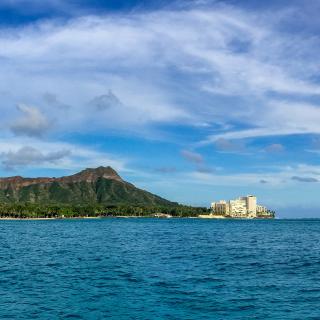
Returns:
(26, 156)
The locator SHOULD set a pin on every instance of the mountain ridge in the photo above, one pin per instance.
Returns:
(88, 174)
(102, 185)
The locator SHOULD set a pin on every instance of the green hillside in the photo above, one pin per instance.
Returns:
(69, 190)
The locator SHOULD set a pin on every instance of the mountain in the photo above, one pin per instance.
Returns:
(101, 185)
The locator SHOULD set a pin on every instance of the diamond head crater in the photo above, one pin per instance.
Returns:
(94, 192)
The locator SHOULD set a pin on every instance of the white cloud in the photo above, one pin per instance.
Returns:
(29, 156)
(31, 123)
(278, 118)
(279, 177)
(28, 152)
(211, 50)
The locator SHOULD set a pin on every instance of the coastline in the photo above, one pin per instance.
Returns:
(216, 217)
(136, 217)
(79, 218)
(58, 218)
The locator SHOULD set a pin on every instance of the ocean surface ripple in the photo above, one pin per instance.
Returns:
(160, 269)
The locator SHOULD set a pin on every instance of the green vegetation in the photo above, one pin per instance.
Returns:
(31, 210)
(102, 191)
(96, 192)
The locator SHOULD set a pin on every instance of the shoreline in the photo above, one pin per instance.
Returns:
(51, 218)
(128, 217)
(218, 217)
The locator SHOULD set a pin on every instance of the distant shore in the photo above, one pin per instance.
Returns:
(217, 217)
(79, 218)
(55, 218)
(127, 217)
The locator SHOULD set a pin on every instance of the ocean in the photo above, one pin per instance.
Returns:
(160, 269)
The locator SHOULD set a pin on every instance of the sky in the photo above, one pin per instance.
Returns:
(195, 101)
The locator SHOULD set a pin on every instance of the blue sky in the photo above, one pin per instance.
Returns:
(193, 100)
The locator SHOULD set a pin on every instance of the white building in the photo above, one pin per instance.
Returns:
(241, 207)
(238, 207)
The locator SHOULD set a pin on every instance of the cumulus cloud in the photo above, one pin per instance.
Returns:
(76, 156)
(73, 157)
(191, 156)
(29, 156)
(32, 123)
(304, 179)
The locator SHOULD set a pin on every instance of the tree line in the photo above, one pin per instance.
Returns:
(31, 210)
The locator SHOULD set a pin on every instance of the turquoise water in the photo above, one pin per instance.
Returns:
(160, 269)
